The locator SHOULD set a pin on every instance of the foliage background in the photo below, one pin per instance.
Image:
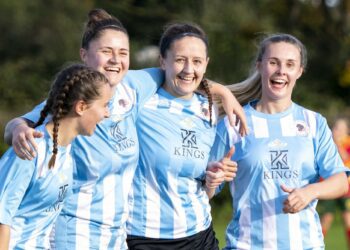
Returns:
(38, 37)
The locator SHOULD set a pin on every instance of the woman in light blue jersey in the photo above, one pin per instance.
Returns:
(280, 162)
(94, 216)
(32, 192)
(169, 207)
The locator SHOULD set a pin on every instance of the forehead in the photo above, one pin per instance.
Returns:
(189, 44)
(283, 51)
(111, 38)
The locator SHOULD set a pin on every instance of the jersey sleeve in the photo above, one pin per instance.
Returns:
(328, 160)
(145, 82)
(15, 177)
(220, 147)
(222, 142)
(34, 115)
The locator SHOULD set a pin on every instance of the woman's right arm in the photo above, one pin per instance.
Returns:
(4, 237)
(20, 134)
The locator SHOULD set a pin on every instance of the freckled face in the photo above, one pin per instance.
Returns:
(185, 63)
(280, 68)
(108, 54)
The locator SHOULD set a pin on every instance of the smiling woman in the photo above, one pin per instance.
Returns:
(277, 188)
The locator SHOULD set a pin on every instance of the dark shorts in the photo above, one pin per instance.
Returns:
(204, 240)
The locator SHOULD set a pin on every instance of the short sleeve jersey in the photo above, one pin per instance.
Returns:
(293, 148)
(32, 195)
(167, 199)
(96, 213)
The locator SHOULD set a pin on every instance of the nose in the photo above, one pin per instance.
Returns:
(281, 69)
(114, 58)
(188, 67)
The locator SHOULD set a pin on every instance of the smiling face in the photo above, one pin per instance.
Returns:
(94, 112)
(108, 54)
(185, 63)
(279, 68)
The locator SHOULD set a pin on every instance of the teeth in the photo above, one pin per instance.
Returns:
(113, 69)
(279, 81)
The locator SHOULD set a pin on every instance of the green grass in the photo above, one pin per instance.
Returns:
(335, 239)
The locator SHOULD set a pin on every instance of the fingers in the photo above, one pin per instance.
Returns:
(232, 119)
(286, 189)
(24, 144)
(230, 152)
(214, 179)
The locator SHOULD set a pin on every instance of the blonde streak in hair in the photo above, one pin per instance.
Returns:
(245, 91)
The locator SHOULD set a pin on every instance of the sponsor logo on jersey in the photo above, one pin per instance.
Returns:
(62, 193)
(189, 147)
(122, 142)
(279, 167)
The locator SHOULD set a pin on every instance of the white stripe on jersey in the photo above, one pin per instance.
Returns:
(311, 118)
(288, 126)
(152, 103)
(260, 127)
(175, 107)
(314, 230)
(179, 212)
(296, 241)
(269, 216)
(83, 211)
(152, 208)
(108, 204)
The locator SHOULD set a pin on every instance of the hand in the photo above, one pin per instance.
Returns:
(297, 199)
(23, 141)
(228, 166)
(214, 175)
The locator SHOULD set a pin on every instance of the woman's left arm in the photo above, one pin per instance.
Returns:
(330, 188)
(230, 105)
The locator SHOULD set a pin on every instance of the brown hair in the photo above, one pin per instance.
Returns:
(73, 83)
(176, 31)
(99, 20)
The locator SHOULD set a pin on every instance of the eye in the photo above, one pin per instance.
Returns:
(106, 51)
(124, 53)
(180, 60)
(197, 61)
(272, 62)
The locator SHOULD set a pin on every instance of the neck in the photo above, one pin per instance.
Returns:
(272, 107)
(66, 131)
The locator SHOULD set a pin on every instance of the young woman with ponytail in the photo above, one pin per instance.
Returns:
(32, 193)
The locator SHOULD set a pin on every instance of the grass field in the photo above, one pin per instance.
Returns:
(335, 239)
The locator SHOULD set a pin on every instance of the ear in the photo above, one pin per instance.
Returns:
(301, 71)
(83, 54)
(161, 62)
(79, 107)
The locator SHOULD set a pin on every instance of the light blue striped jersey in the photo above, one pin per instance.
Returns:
(32, 195)
(167, 199)
(95, 215)
(293, 148)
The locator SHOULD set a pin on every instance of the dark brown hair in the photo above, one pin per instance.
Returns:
(99, 20)
(176, 31)
(73, 83)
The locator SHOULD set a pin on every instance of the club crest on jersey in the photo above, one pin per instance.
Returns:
(189, 147)
(301, 128)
